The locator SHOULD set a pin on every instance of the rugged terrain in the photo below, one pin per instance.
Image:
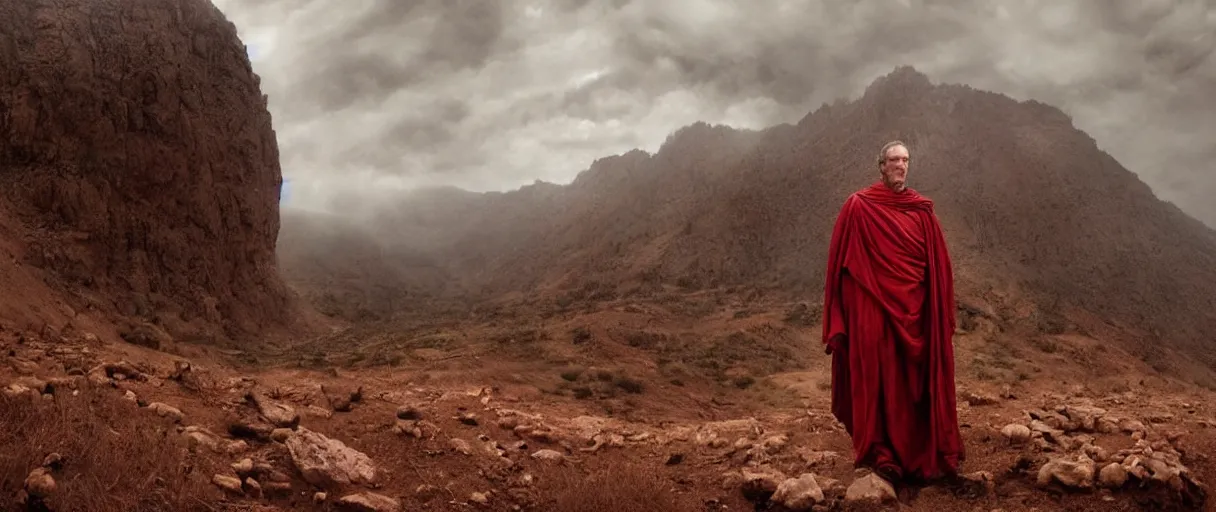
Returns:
(1045, 227)
(645, 338)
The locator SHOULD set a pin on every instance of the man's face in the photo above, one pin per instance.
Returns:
(895, 168)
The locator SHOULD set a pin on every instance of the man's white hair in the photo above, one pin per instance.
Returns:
(882, 153)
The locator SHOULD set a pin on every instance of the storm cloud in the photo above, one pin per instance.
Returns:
(382, 95)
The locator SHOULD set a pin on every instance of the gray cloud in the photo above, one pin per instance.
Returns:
(395, 94)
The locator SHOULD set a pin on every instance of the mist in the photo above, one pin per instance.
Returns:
(380, 96)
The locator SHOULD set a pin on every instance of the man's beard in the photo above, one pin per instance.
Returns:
(897, 186)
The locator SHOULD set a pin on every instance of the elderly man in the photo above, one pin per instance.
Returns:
(888, 322)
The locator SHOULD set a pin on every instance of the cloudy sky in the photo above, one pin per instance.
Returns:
(373, 96)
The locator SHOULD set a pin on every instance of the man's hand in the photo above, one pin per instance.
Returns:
(836, 342)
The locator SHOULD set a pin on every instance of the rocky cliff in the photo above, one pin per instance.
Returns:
(138, 166)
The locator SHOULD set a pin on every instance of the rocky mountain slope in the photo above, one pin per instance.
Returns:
(139, 173)
(1044, 226)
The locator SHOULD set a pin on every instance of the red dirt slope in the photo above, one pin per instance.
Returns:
(138, 166)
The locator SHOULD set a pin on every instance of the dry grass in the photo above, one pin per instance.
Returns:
(116, 457)
(618, 486)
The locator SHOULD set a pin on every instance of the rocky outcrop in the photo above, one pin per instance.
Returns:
(138, 166)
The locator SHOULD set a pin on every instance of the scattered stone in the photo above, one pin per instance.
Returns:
(479, 498)
(324, 461)
(1016, 434)
(368, 502)
(281, 415)
(798, 494)
(975, 399)
(251, 430)
(39, 483)
(253, 488)
(166, 411)
(870, 488)
(774, 444)
(342, 399)
(1113, 476)
(760, 483)
(244, 467)
(460, 446)
(409, 412)
(53, 461)
(228, 483)
(1072, 474)
(426, 492)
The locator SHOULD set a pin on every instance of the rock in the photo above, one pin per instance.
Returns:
(977, 399)
(1129, 426)
(1078, 474)
(39, 483)
(1083, 416)
(53, 461)
(251, 430)
(460, 446)
(166, 411)
(368, 502)
(280, 435)
(342, 399)
(774, 444)
(468, 418)
(547, 454)
(760, 483)
(17, 390)
(253, 488)
(228, 483)
(244, 467)
(426, 492)
(1113, 476)
(197, 437)
(815, 457)
(1016, 434)
(798, 494)
(281, 415)
(323, 461)
(419, 429)
(409, 412)
(479, 498)
(869, 489)
(1106, 425)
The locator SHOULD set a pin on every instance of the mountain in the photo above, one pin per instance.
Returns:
(1045, 227)
(139, 172)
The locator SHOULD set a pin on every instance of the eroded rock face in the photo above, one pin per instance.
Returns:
(137, 151)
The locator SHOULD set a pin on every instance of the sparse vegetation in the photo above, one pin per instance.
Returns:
(619, 486)
(113, 460)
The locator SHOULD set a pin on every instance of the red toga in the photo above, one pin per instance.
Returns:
(888, 321)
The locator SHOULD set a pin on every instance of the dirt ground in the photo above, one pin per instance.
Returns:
(692, 403)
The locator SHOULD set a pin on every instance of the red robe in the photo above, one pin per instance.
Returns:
(890, 293)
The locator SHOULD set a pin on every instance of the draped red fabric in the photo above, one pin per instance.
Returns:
(888, 324)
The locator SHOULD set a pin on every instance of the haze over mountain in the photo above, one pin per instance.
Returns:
(386, 95)
(1044, 226)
